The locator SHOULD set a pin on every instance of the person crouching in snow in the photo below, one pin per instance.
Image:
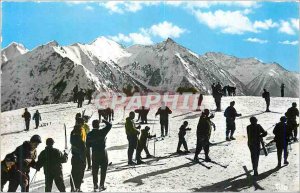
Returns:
(182, 141)
(142, 145)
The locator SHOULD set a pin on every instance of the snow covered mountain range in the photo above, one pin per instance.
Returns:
(48, 73)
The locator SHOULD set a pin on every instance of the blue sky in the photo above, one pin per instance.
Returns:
(265, 30)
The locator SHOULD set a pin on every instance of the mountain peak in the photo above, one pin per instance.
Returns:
(170, 40)
(13, 50)
(15, 45)
(52, 43)
(103, 40)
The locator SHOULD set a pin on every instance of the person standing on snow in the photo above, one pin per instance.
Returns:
(292, 114)
(27, 116)
(230, 114)
(203, 135)
(281, 139)
(132, 133)
(255, 133)
(37, 118)
(266, 96)
(182, 141)
(26, 155)
(96, 139)
(164, 112)
(142, 145)
(51, 159)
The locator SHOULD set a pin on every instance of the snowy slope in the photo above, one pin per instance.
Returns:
(167, 66)
(169, 173)
(257, 75)
(12, 51)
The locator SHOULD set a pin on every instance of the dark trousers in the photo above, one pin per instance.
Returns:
(282, 93)
(202, 143)
(182, 141)
(230, 128)
(17, 179)
(218, 104)
(58, 179)
(5, 177)
(77, 172)
(164, 126)
(99, 160)
(281, 147)
(268, 105)
(144, 119)
(75, 97)
(292, 128)
(37, 123)
(139, 150)
(90, 98)
(132, 143)
(79, 103)
(88, 157)
(27, 123)
(254, 151)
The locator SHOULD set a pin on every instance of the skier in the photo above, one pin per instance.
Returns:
(75, 91)
(182, 141)
(230, 114)
(109, 114)
(266, 96)
(213, 89)
(203, 135)
(132, 136)
(255, 133)
(78, 115)
(143, 112)
(89, 94)
(164, 112)
(96, 140)
(27, 116)
(145, 135)
(292, 125)
(281, 138)
(88, 151)
(200, 99)
(77, 138)
(7, 165)
(51, 159)
(26, 155)
(80, 98)
(218, 96)
(37, 118)
(282, 90)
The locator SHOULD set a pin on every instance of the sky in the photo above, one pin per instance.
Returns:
(268, 31)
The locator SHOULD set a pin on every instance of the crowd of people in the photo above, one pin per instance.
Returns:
(88, 147)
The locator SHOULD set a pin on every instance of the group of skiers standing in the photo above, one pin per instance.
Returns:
(78, 96)
(15, 167)
(27, 117)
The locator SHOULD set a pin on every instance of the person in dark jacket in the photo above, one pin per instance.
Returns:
(164, 112)
(182, 141)
(292, 125)
(230, 114)
(75, 92)
(142, 145)
(203, 135)
(266, 96)
(282, 90)
(78, 161)
(132, 133)
(281, 139)
(37, 118)
(96, 139)
(7, 166)
(26, 155)
(80, 98)
(255, 133)
(89, 94)
(27, 116)
(218, 93)
(143, 112)
(51, 159)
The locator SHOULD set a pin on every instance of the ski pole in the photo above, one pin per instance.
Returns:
(71, 176)
(33, 178)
